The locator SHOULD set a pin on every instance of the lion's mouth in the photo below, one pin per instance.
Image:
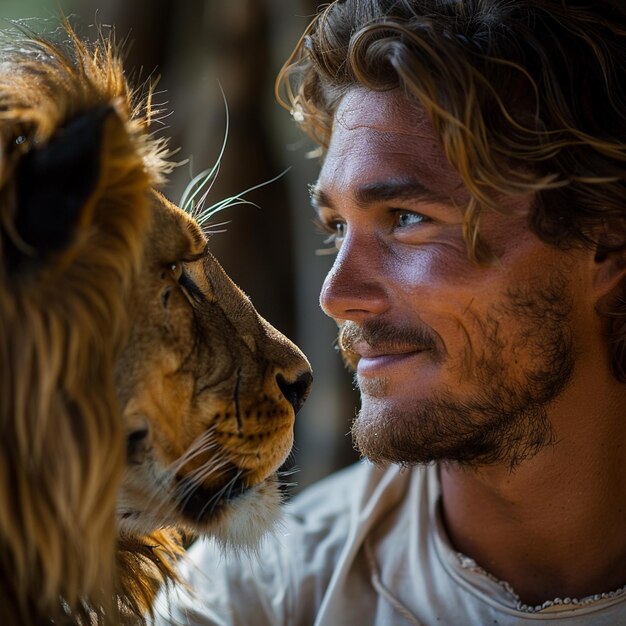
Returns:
(200, 504)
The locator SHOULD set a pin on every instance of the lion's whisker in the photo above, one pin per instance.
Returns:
(189, 488)
(204, 443)
(220, 494)
(200, 474)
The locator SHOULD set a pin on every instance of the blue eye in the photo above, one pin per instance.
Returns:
(340, 230)
(335, 232)
(410, 219)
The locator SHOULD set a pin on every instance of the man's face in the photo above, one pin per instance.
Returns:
(454, 361)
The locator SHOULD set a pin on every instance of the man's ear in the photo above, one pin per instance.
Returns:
(609, 269)
(609, 291)
(58, 184)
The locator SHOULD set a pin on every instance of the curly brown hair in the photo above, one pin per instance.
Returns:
(526, 97)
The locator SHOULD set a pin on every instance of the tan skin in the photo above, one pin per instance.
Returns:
(554, 525)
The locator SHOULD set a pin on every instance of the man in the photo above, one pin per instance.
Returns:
(474, 183)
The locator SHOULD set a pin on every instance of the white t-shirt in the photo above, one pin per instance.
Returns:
(364, 547)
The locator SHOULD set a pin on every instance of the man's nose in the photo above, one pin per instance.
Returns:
(355, 288)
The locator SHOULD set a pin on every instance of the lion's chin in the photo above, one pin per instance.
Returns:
(200, 505)
(237, 518)
(243, 521)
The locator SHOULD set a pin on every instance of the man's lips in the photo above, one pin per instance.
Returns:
(366, 351)
(375, 344)
(373, 359)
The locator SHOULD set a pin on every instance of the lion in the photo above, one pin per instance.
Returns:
(141, 394)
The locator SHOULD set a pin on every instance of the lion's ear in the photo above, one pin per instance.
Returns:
(58, 184)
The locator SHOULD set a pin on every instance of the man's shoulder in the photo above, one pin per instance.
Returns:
(343, 496)
(334, 493)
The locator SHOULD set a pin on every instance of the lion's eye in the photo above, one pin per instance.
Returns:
(176, 270)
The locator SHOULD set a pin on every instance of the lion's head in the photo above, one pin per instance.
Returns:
(140, 389)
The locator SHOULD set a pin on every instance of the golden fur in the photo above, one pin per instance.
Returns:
(140, 391)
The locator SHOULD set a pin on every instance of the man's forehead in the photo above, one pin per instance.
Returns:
(383, 136)
(387, 135)
(382, 111)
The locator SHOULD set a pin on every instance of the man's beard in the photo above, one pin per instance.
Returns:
(505, 418)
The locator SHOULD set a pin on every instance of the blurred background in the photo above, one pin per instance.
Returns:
(194, 46)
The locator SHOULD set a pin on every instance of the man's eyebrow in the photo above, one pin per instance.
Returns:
(319, 198)
(383, 191)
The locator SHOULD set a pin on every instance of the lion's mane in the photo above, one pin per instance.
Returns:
(63, 321)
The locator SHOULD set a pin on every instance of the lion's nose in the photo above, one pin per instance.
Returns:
(297, 391)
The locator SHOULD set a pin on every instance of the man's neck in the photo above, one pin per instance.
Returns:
(555, 525)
